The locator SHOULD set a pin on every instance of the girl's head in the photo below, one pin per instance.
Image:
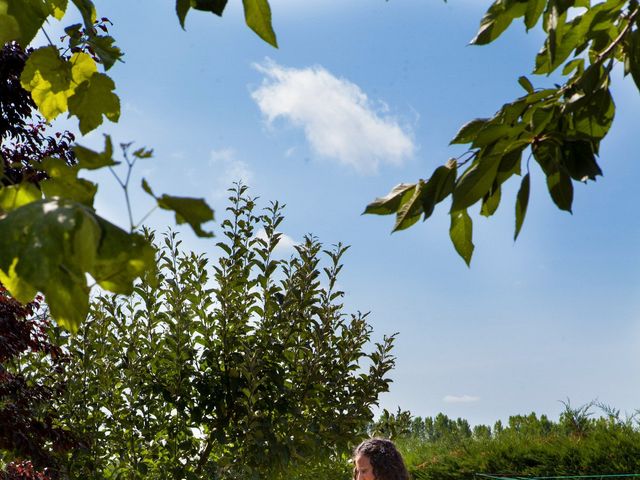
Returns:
(378, 459)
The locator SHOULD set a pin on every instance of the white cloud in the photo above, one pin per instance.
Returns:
(285, 245)
(338, 119)
(227, 169)
(460, 399)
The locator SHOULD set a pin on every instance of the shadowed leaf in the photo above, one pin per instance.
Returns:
(522, 202)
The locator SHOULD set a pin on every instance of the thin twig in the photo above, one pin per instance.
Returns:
(619, 38)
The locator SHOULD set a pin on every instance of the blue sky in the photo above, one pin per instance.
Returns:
(361, 96)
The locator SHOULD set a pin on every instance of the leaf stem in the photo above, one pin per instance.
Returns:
(47, 36)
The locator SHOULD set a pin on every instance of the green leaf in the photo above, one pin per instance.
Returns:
(575, 64)
(215, 6)
(105, 49)
(409, 213)
(194, 211)
(50, 246)
(633, 56)
(121, 258)
(15, 196)
(475, 182)
(439, 186)
(257, 14)
(88, 11)
(593, 114)
(565, 38)
(143, 153)
(549, 156)
(522, 202)
(580, 161)
(63, 182)
(147, 188)
(534, 10)
(490, 202)
(91, 160)
(182, 8)
(526, 84)
(83, 66)
(468, 132)
(92, 99)
(561, 189)
(541, 118)
(490, 133)
(29, 16)
(392, 201)
(509, 165)
(461, 234)
(58, 8)
(48, 78)
(43, 248)
(497, 19)
(9, 28)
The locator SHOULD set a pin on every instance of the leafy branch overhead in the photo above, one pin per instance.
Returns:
(257, 15)
(52, 238)
(560, 128)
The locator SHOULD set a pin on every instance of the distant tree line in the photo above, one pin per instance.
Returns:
(593, 439)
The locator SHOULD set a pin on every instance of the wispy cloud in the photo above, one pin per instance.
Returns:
(460, 399)
(227, 169)
(339, 120)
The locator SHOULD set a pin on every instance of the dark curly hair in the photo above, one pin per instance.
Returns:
(385, 459)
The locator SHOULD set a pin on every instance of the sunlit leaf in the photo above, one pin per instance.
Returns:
(82, 67)
(467, 133)
(410, 212)
(461, 234)
(58, 8)
(499, 16)
(257, 14)
(391, 202)
(48, 78)
(15, 196)
(533, 12)
(93, 99)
